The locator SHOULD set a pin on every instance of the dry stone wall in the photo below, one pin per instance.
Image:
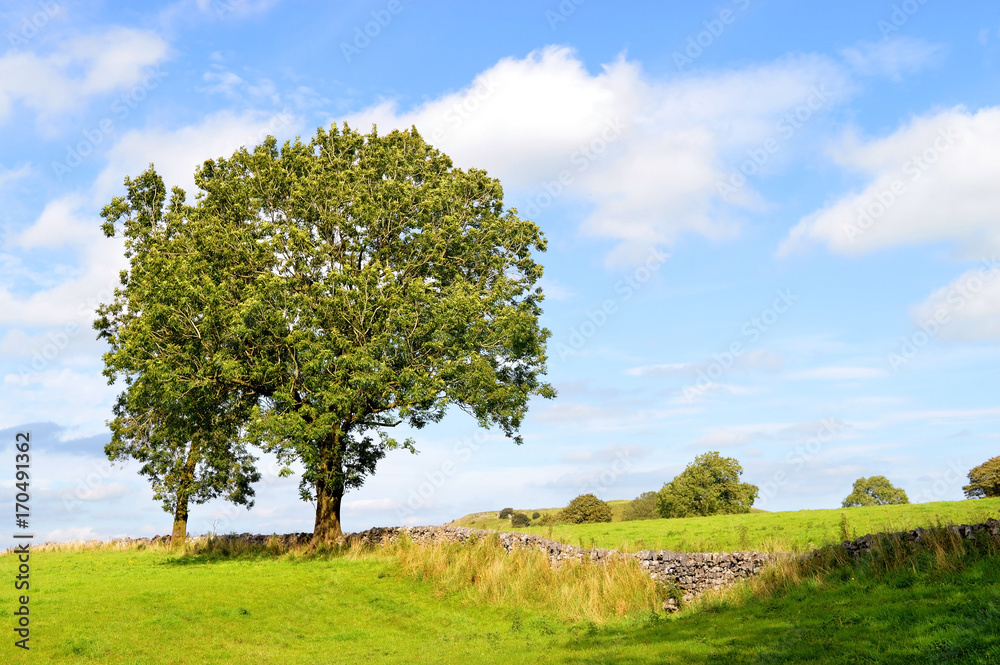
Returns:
(692, 574)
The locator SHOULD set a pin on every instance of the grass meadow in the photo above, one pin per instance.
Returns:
(796, 531)
(403, 603)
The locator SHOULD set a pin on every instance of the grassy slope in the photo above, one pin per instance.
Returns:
(797, 531)
(155, 607)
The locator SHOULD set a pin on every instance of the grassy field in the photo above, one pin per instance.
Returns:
(798, 531)
(407, 605)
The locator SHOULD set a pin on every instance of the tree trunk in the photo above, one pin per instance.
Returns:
(329, 492)
(184, 487)
(327, 529)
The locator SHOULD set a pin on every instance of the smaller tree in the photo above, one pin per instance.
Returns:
(586, 509)
(708, 486)
(505, 513)
(535, 515)
(519, 520)
(874, 491)
(984, 480)
(643, 507)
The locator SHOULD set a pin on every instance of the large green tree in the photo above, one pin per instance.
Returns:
(874, 491)
(169, 331)
(378, 286)
(984, 480)
(708, 486)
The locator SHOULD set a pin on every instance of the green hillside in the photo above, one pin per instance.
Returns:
(797, 531)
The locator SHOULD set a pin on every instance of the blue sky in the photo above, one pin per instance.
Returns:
(774, 231)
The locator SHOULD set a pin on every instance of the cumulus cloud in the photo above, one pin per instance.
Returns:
(934, 179)
(647, 154)
(967, 309)
(81, 68)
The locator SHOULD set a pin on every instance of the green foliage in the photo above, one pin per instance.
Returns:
(378, 285)
(549, 519)
(874, 491)
(708, 486)
(984, 480)
(535, 515)
(585, 509)
(172, 342)
(505, 513)
(519, 520)
(643, 507)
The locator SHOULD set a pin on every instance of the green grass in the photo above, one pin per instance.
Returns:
(935, 604)
(798, 531)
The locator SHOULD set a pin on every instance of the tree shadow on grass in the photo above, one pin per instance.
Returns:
(851, 615)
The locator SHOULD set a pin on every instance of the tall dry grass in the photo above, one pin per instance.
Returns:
(482, 571)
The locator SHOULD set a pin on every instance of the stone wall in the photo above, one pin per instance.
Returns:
(692, 574)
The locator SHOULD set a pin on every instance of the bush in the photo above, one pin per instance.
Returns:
(535, 515)
(548, 519)
(643, 507)
(519, 519)
(586, 509)
(984, 480)
(708, 486)
(874, 491)
(505, 513)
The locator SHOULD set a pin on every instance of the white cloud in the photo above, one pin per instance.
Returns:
(968, 309)
(82, 67)
(647, 153)
(894, 57)
(12, 175)
(177, 153)
(933, 180)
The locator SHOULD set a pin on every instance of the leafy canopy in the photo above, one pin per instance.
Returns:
(643, 507)
(874, 491)
(168, 327)
(586, 509)
(984, 480)
(398, 286)
(708, 486)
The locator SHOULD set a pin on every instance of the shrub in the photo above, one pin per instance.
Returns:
(984, 480)
(643, 507)
(519, 519)
(505, 513)
(535, 515)
(548, 519)
(708, 486)
(874, 491)
(586, 509)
